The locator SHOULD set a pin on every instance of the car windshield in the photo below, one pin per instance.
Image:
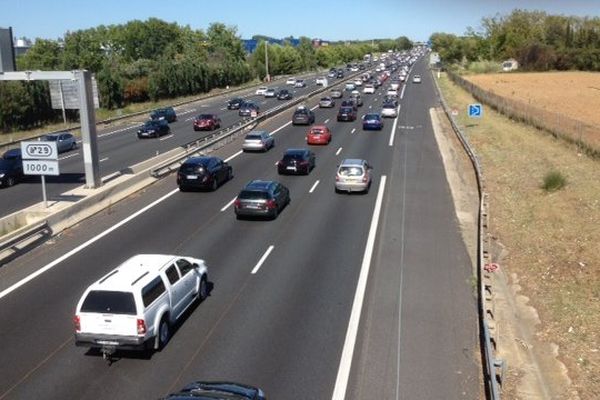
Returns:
(346, 110)
(6, 164)
(350, 171)
(150, 124)
(253, 195)
(111, 302)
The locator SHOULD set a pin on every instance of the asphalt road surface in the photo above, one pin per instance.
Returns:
(392, 261)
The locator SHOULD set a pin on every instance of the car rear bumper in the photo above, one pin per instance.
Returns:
(254, 147)
(117, 341)
(351, 186)
(252, 212)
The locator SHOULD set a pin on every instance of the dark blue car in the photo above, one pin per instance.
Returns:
(372, 121)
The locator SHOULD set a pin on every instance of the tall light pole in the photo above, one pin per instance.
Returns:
(267, 77)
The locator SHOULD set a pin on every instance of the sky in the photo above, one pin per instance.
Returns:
(325, 19)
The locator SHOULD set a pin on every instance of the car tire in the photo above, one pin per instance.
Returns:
(183, 189)
(230, 174)
(10, 181)
(275, 213)
(215, 185)
(164, 333)
(203, 289)
(338, 190)
(73, 146)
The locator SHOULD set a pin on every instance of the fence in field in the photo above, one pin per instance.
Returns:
(582, 134)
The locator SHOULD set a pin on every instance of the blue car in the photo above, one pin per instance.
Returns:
(372, 121)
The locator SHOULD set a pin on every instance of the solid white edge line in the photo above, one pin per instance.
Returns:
(312, 189)
(280, 128)
(402, 92)
(337, 153)
(341, 382)
(167, 137)
(103, 159)
(228, 204)
(393, 133)
(262, 259)
(82, 246)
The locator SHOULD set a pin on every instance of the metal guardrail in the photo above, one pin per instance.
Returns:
(493, 368)
(13, 246)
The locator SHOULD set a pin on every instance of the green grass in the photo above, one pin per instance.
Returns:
(554, 181)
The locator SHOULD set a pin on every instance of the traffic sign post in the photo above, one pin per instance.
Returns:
(40, 158)
(475, 110)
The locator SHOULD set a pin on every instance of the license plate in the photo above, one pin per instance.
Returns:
(108, 342)
(253, 206)
(191, 177)
(291, 168)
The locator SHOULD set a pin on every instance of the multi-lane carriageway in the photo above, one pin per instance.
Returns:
(342, 296)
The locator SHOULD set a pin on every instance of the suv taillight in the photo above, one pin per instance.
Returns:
(271, 203)
(141, 327)
(77, 322)
(237, 203)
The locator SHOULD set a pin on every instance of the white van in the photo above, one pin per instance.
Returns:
(134, 306)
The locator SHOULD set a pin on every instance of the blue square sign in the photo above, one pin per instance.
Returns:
(475, 110)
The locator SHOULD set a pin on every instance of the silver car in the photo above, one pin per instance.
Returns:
(64, 141)
(353, 175)
(326, 102)
(389, 110)
(258, 141)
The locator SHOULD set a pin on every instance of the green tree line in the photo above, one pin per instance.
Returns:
(537, 40)
(153, 59)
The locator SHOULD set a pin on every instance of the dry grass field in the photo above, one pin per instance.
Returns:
(552, 237)
(574, 93)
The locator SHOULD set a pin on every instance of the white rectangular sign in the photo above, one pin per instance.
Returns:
(66, 93)
(40, 167)
(39, 150)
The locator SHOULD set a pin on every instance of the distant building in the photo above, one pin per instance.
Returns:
(22, 46)
(319, 43)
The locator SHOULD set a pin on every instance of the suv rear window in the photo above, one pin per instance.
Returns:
(111, 302)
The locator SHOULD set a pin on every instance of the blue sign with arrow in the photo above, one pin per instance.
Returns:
(475, 110)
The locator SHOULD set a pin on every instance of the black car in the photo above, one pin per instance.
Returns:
(340, 74)
(167, 113)
(303, 116)
(217, 390)
(261, 199)
(346, 114)
(235, 104)
(203, 173)
(11, 168)
(350, 103)
(247, 108)
(284, 94)
(296, 161)
(154, 128)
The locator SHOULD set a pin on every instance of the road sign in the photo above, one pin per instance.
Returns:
(65, 94)
(39, 150)
(40, 167)
(475, 110)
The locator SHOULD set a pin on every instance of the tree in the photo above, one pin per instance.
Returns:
(45, 55)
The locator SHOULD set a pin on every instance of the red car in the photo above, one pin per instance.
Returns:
(318, 134)
(207, 122)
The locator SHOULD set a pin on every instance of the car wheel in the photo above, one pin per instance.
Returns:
(214, 185)
(338, 190)
(73, 146)
(164, 333)
(203, 289)
(10, 181)
(182, 189)
(230, 175)
(275, 213)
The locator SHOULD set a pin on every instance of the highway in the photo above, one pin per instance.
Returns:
(282, 325)
(119, 147)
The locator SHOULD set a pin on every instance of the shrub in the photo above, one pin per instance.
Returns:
(554, 181)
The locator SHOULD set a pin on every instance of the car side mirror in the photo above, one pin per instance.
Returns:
(195, 266)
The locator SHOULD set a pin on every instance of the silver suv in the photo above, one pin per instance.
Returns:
(353, 175)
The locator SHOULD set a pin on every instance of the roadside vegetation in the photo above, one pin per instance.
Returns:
(537, 40)
(152, 60)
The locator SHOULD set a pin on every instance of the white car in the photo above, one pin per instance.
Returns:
(389, 111)
(270, 92)
(417, 79)
(369, 89)
(358, 82)
(392, 92)
(261, 90)
(300, 83)
(321, 81)
(349, 87)
(137, 304)
(395, 85)
(290, 81)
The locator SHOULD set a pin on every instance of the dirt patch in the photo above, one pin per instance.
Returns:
(550, 269)
(573, 93)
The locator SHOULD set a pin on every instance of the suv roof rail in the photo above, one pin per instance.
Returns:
(138, 278)
(108, 275)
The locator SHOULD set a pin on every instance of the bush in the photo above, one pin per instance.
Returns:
(554, 181)
(484, 67)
